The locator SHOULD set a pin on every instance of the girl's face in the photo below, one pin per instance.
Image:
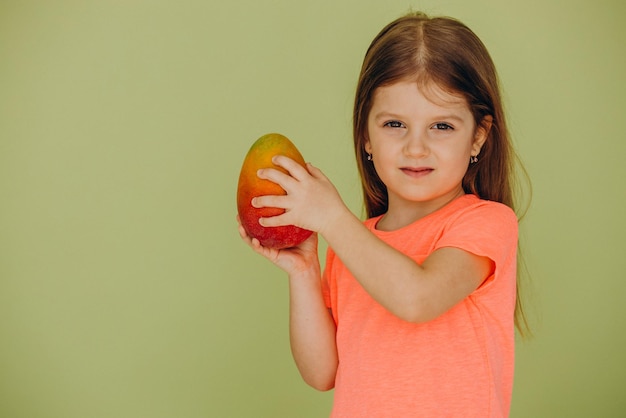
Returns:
(421, 146)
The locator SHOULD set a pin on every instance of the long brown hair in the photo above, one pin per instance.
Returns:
(445, 52)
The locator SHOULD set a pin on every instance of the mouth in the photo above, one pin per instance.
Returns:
(416, 171)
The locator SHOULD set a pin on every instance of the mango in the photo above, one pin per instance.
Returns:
(250, 186)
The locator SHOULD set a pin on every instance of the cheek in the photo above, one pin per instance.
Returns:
(383, 156)
(374, 145)
(380, 161)
(450, 151)
(455, 160)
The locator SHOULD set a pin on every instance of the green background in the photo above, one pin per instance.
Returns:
(125, 290)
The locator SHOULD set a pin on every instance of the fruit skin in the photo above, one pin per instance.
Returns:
(250, 185)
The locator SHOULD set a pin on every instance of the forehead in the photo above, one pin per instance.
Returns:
(428, 92)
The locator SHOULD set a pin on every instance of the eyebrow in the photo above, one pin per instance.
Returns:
(390, 115)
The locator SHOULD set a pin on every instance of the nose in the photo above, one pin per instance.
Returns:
(416, 145)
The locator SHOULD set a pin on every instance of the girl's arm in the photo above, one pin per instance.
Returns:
(411, 291)
(312, 331)
(311, 326)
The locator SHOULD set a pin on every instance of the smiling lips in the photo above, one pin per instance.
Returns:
(416, 171)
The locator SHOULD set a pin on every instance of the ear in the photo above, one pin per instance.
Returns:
(481, 135)
(368, 147)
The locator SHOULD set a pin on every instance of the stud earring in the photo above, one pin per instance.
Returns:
(369, 157)
(473, 159)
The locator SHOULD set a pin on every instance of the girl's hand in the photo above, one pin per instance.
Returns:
(302, 258)
(311, 202)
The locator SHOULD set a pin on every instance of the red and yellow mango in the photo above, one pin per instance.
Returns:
(250, 186)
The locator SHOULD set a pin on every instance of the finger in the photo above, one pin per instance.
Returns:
(243, 233)
(269, 253)
(314, 171)
(256, 244)
(295, 169)
(245, 237)
(284, 180)
(278, 220)
(270, 201)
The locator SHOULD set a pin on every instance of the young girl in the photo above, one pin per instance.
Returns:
(414, 314)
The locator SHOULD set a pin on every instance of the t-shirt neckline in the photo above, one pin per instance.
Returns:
(450, 206)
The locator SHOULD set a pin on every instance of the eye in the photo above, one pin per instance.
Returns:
(394, 124)
(442, 126)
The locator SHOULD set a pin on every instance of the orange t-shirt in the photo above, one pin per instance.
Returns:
(457, 365)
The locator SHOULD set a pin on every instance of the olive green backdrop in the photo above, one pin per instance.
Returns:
(125, 290)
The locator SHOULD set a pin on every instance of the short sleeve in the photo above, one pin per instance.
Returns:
(488, 229)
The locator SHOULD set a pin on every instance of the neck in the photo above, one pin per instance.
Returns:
(401, 215)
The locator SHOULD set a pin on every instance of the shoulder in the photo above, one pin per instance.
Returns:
(484, 212)
(482, 227)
